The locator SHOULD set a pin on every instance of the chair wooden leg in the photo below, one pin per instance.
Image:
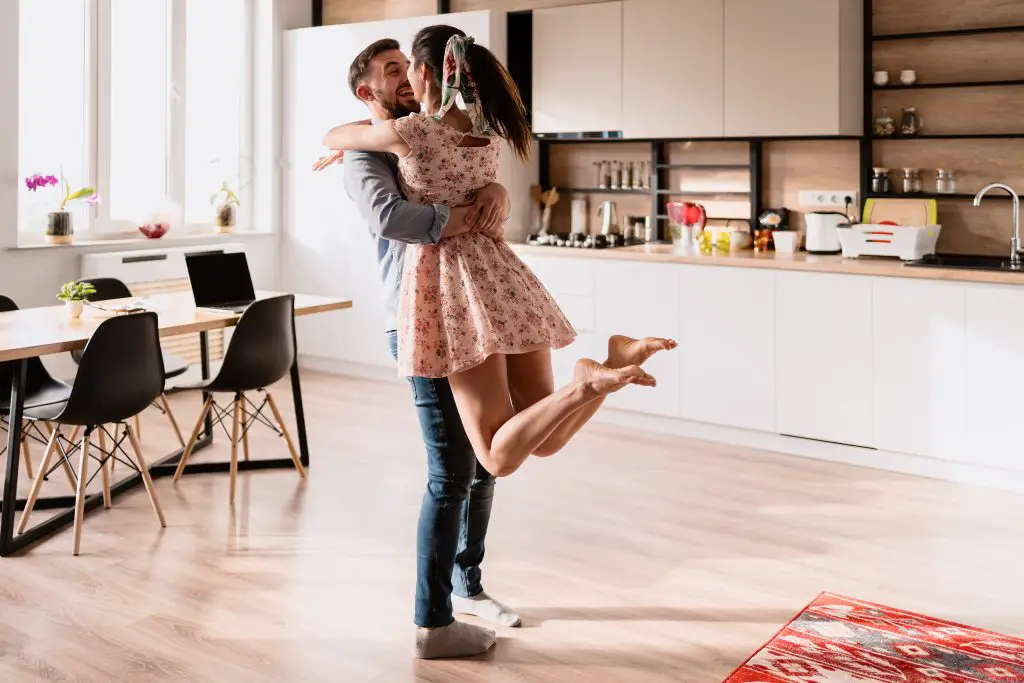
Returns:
(287, 437)
(236, 410)
(72, 479)
(170, 416)
(83, 479)
(37, 483)
(138, 426)
(26, 456)
(245, 431)
(105, 469)
(192, 439)
(144, 471)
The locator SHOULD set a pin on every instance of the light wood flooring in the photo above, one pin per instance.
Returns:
(631, 556)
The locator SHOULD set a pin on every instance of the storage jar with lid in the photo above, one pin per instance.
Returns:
(911, 181)
(945, 182)
(880, 183)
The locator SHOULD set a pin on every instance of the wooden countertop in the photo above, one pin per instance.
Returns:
(878, 267)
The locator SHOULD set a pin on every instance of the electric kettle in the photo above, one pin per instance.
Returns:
(823, 232)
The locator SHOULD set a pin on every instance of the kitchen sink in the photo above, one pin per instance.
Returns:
(966, 262)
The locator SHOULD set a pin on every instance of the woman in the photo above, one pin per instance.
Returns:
(470, 309)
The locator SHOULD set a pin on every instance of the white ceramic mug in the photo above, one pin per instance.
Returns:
(786, 241)
(881, 78)
(908, 77)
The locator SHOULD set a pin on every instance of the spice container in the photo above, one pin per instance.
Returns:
(911, 181)
(885, 125)
(880, 183)
(945, 182)
(616, 175)
(910, 124)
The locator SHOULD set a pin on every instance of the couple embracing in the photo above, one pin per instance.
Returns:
(470, 325)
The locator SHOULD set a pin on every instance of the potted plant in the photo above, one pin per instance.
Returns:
(74, 294)
(225, 200)
(59, 227)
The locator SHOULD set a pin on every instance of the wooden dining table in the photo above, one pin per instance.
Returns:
(32, 332)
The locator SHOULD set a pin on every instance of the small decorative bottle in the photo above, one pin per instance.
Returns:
(945, 182)
(910, 124)
(880, 181)
(885, 125)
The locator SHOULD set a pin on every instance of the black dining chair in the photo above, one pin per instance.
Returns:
(108, 288)
(261, 352)
(120, 372)
(40, 388)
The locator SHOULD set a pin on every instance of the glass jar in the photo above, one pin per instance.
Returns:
(885, 125)
(910, 124)
(945, 182)
(880, 181)
(911, 181)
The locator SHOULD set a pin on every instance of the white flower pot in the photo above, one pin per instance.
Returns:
(74, 309)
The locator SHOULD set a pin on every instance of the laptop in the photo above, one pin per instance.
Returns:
(220, 281)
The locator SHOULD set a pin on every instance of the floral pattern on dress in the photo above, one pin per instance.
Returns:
(467, 297)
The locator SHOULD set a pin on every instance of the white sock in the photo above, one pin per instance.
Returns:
(486, 607)
(457, 639)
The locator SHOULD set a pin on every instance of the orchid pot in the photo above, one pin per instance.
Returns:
(59, 227)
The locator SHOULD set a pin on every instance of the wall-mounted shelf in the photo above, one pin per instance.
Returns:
(948, 34)
(598, 190)
(707, 167)
(709, 193)
(931, 195)
(940, 86)
(954, 136)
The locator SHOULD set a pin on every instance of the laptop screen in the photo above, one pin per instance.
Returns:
(220, 278)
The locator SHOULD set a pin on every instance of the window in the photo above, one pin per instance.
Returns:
(52, 102)
(159, 116)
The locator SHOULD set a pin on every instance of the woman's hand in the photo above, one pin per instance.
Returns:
(329, 160)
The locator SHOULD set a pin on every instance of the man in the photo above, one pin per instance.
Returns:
(457, 503)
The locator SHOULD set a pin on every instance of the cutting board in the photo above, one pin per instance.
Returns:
(906, 212)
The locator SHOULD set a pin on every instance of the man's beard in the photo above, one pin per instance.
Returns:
(396, 109)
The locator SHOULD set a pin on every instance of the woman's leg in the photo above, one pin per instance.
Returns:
(530, 379)
(503, 439)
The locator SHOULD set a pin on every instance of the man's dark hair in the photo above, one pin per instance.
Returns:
(361, 64)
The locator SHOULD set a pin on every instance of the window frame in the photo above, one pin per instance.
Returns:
(97, 121)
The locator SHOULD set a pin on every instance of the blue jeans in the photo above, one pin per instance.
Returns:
(456, 505)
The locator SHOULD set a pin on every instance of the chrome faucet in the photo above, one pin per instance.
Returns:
(1015, 244)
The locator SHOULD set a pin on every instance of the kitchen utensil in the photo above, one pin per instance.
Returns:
(881, 78)
(580, 213)
(549, 199)
(609, 219)
(908, 77)
(822, 231)
(687, 221)
(787, 241)
(906, 242)
(901, 211)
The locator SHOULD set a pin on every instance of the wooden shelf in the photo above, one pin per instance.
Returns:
(707, 167)
(710, 193)
(933, 195)
(948, 34)
(954, 136)
(940, 86)
(598, 190)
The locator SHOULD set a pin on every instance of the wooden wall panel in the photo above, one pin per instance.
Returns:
(352, 11)
(791, 166)
(960, 110)
(953, 60)
(911, 16)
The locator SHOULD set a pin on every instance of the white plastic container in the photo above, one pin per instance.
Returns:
(909, 243)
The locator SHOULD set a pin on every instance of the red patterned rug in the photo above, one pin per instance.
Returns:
(841, 640)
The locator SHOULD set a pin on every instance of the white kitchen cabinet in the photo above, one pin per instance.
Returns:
(640, 299)
(577, 68)
(994, 376)
(683, 97)
(793, 67)
(823, 357)
(919, 367)
(727, 352)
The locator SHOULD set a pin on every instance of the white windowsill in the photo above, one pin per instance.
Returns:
(86, 240)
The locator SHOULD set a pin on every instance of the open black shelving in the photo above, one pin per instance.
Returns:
(942, 86)
(706, 167)
(930, 195)
(952, 136)
(601, 190)
(708, 193)
(948, 34)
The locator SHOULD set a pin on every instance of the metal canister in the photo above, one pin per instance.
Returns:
(649, 230)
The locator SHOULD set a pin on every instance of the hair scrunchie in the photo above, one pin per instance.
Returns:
(456, 79)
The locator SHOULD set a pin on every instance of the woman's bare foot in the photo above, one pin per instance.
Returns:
(625, 351)
(604, 380)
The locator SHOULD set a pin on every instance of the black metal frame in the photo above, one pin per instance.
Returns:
(867, 150)
(165, 467)
(318, 12)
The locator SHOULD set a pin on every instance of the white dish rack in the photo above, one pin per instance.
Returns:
(909, 243)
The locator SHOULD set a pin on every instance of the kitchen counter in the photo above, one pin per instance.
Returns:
(878, 267)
